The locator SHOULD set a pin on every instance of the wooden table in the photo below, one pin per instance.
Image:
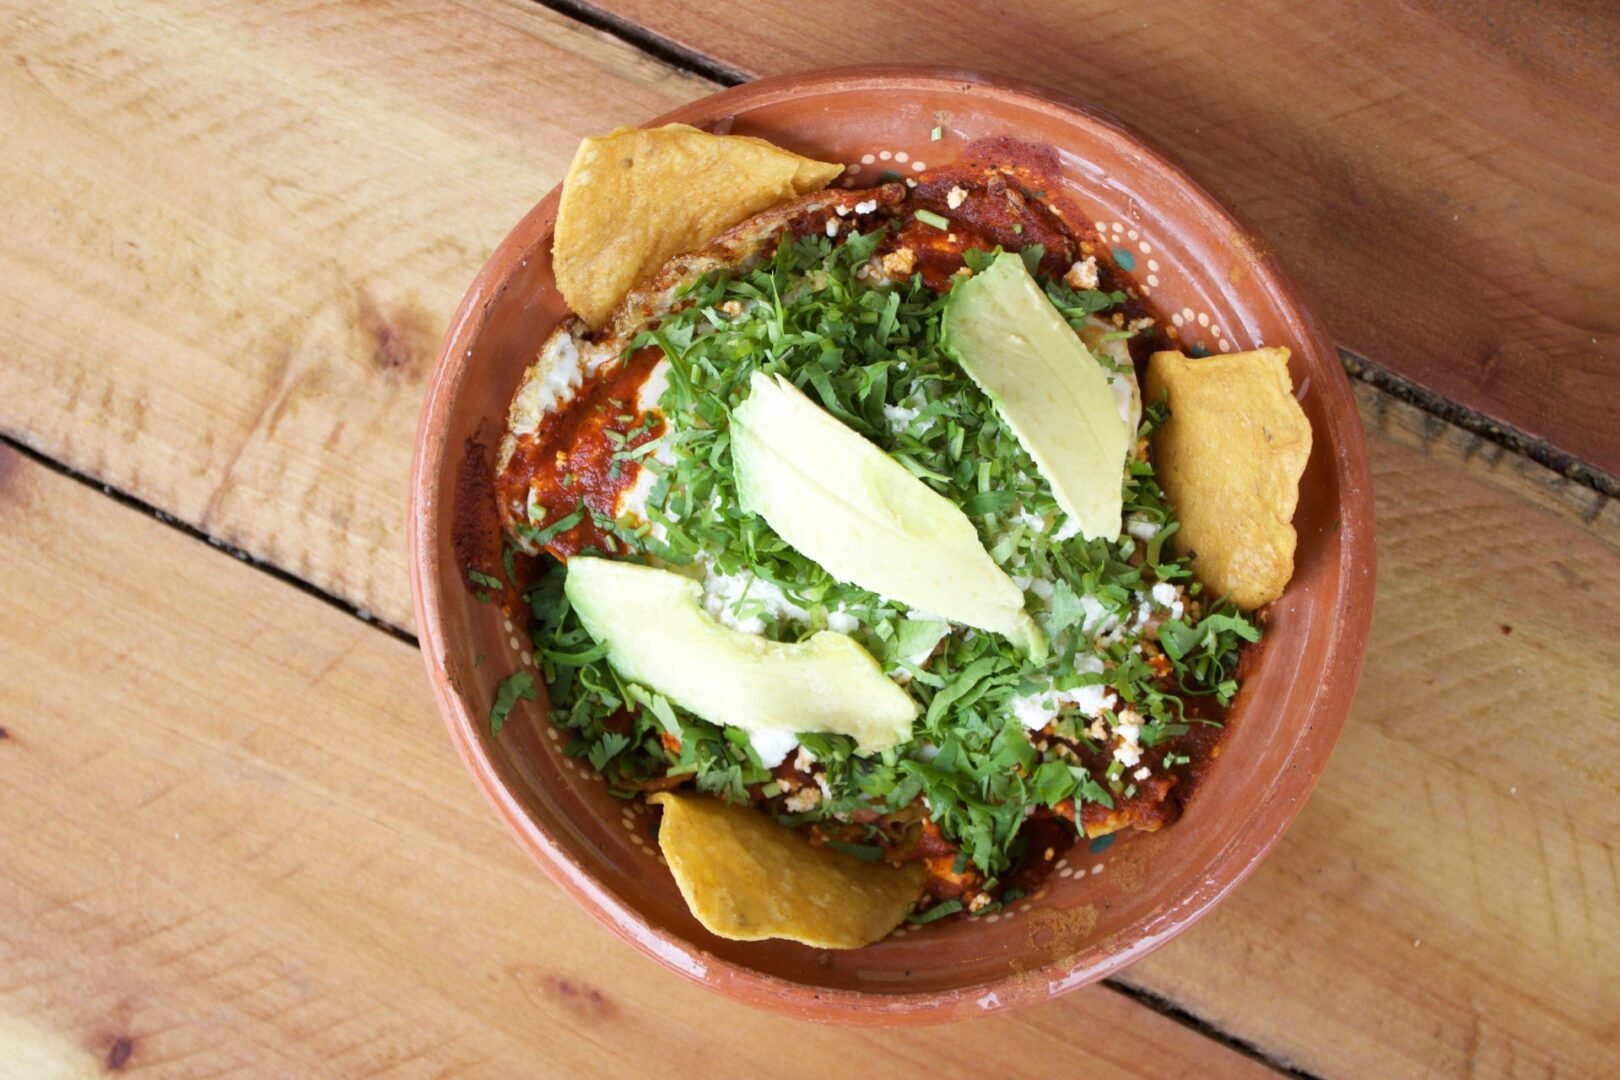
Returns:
(233, 837)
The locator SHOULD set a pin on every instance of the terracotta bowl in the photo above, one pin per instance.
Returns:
(1104, 908)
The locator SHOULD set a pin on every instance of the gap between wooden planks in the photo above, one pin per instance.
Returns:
(237, 234)
(236, 842)
(1437, 175)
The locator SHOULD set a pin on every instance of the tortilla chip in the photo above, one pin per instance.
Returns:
(635, 198)
(1230, 457)
(747, 878)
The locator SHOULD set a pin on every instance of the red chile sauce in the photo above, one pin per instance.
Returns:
(570, 461)
(1001, 199)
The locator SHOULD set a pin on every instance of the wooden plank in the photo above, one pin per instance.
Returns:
(205, 306)
(1435, 175)
(236, 842)
(1448, 903)
(179, 373)
(233, 235)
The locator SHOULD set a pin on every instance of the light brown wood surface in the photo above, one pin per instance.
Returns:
(1440, 176)
(234, 234)
(231, 240)
(236, 837)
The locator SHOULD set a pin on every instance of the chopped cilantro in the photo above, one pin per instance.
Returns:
(541, 537)
(603, 749)
(520, 684)
(938, 911)
(869, 351)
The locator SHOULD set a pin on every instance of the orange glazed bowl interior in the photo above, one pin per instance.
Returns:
(1198, 266)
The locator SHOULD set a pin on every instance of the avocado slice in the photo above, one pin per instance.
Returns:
(658, 635)
(843, 502)
(1046, 386)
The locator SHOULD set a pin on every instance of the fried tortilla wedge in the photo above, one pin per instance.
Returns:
(1230, 457)
(634, 198)
(746, 878)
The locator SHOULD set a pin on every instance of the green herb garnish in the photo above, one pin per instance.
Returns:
(868, 350)
(518, 685)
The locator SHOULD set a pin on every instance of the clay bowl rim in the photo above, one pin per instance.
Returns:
(1312, 742)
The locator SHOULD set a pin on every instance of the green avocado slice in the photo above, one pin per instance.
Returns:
(658, 635)
(841, 501)
(1046, 386)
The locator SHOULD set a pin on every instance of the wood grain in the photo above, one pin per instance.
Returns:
(233, 234)
(236, 842)
(1448, 903)
(226, 253)
(1439, 176)
(237, 233)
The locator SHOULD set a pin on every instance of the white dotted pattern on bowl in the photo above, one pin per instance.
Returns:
(899, 157)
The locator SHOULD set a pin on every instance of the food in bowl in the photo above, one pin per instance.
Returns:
(853, 522)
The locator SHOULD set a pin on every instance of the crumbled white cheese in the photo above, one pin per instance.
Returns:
(1098, 618)
(899, 263)
(1029, 519)
(841, 210)
(832, 226)
(804, 759)
(841, 621)
(722, 593)
(866, 207)
(1036, 710)
(806, 798)
(773, 747)
(899, 417)
(1141, 529)
(1083, 274)
(1136, 325)
(1142, 774)
(1144, 612)
(1068, 530)
(956, 197)
(1168, 596)
(1129, 730)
